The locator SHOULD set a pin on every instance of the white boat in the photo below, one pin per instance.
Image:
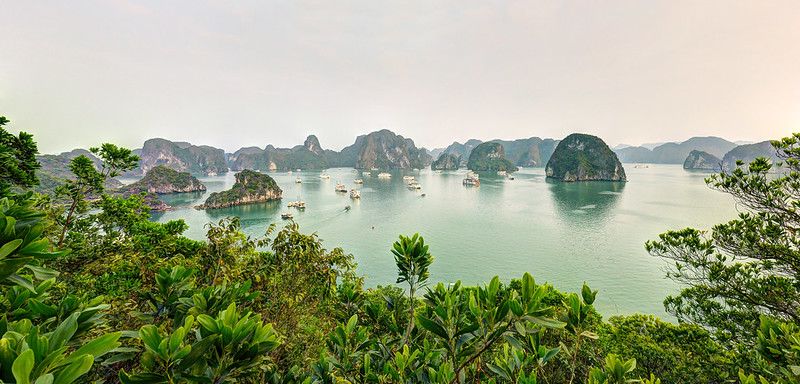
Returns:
(299, 204)
(355, 194)
(358, 181)
(472, 179)
(366, 173)
(384, 175)
(502, 173)
(289, 172)
(298, 180)
(324, 176)
(408, 178)
(286, 216)
(340, 188)
(414, 185)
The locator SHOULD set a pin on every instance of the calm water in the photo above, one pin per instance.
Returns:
(563, 233)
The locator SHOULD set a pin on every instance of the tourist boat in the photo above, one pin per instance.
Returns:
(366, 173)
(502, 173)
(298, 180)
(358, 181)
(299, 204)
(414, 185)
(384, 175)
(324, 176)
(355, 194)
(286, 216)
(510, 177)
(472, 179)
(408, 178)
(289, 172)
(297, 170)
(340, 188)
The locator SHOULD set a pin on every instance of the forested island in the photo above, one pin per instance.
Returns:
(96, 292)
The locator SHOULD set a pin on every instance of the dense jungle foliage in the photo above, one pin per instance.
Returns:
(92, 291)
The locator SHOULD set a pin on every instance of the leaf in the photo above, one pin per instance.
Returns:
(63, 333)
(75, 370)
(97, 347)
(141, 378)
(23, 366)
(9, 247)
(432, 327)
(41, 273)
(22, 282)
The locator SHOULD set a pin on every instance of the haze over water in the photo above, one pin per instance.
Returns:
(562, 233)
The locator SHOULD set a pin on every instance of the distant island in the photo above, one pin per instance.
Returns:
(490, 156)
(250, 187)
(701, 160)
(164, 180)
(581, 157)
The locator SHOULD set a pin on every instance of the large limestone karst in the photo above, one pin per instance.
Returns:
(701, 160)
(163, 180)
(489, 156)
(250, 187)
(582, 157)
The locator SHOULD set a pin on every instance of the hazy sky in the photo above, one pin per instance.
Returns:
(77, 73)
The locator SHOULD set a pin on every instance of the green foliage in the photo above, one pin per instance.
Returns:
(18, 163)
(489, 156)
(584, 157)
(162, 179)
(615, 371)
(250, 187)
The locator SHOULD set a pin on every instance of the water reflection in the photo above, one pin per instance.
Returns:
(589, 201)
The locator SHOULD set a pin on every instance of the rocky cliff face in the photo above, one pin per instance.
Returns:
(581, 157)
(700, 160)
(310, 155)
(446, 162)
(162, 180)
(383, 150)
(530, 152)
(250, 187)
(183, 157)
(489, 156)
(747, 153)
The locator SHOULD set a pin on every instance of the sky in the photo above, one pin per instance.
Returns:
(252, 73)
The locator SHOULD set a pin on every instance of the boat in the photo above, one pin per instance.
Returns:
(324, 176)
(384, 175)
(290, 172)
(298, 180)
(346, 207)
(340, 188)
(298, 170)
(286, 216)
(299, 204)
(502, 173)
(358, 181)
(414, 185)
(472, 179)
(510, 177)
(366, 173)
(355, 194)
(408, 178)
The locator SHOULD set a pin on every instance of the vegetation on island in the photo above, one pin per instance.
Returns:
(581, 157)
(446, 162)
(700, 160)
(250, 187)
(124, 299)
(489, 156)
(164, 180)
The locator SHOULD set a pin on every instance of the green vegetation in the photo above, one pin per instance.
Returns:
(250, 187)
(489, 157)
(446, 162)
(162, 179)
(128, 300)
(581, 157)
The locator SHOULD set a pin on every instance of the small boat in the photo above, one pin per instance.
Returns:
(346, 207)
(358, 181)
(298, 180)
(366, 173)
(414, 185)
(290, 172)
(355, 194)
(422, 195)
(340, 188)
(299, 204)
(408, 178)
(502, 173)
(324, 176)
(297, 170)
(286, 216)
(384, 175)
(510, 177)
(472, 179)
